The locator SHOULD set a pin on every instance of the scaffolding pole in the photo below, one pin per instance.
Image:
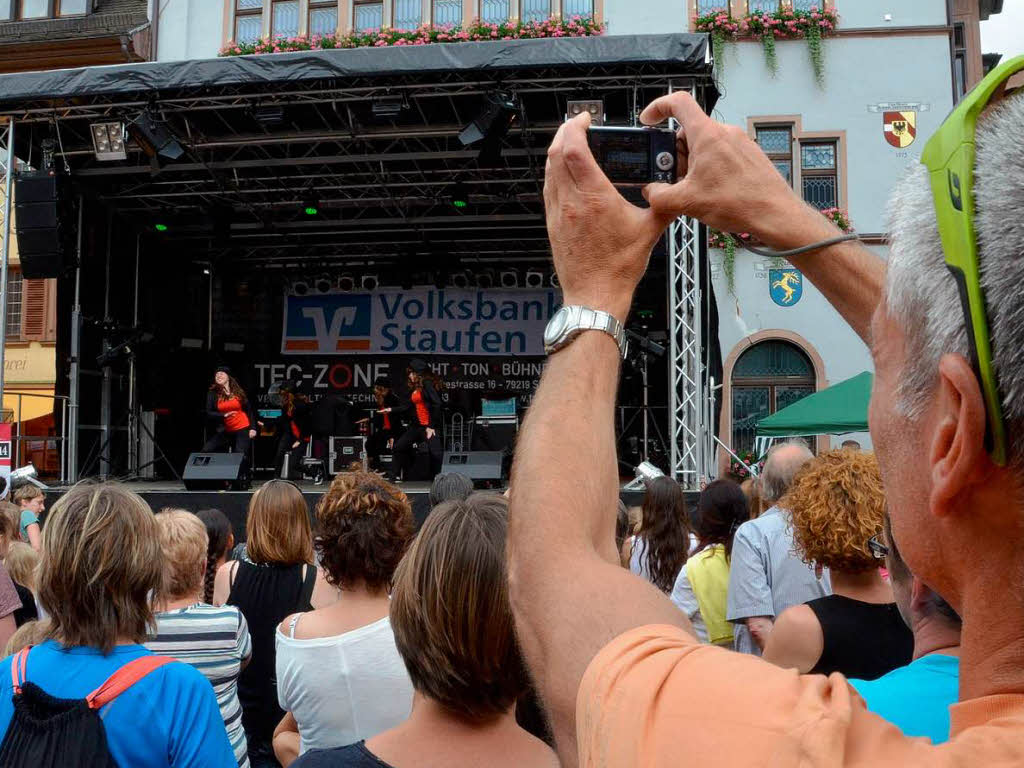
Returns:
(8, 164)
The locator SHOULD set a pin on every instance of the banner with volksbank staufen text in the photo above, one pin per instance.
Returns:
(420, 321)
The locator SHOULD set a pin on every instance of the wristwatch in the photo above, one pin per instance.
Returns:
(570, 321)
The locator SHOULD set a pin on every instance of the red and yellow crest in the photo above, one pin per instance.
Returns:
(900, 128)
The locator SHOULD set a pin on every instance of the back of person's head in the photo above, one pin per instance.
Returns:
(8, 529)
(902, 582)
(850, 445)
(450, 486)
(451, 614)
(184, 542)
(837, 503)
(364, 526)
(278, 529)
(665, 531)
(751, 488)
(921, 293)
(13, 513)
(100, 561)
(721, 509)
(27, 493)
(28, 634)
(783, 462)
(219, 539)
(22, 562)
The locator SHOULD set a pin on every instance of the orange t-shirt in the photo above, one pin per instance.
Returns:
(656, 697)
(235, 418)
(422, 412)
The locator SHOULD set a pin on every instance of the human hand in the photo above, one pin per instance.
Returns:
(599, 241)
(727, 182)
(362, 421)
(430, 433)
(296, 444)
(391, 443)
(252, 434)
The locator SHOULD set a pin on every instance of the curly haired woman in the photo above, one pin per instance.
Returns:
(837, 504)
(339, 674)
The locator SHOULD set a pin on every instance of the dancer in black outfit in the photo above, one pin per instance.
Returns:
(422, 409)
(293, 430)
(231, 414)
(385, 424)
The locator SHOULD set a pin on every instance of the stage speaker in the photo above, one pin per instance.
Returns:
(209, 471)
(476, 465)
(42, 237)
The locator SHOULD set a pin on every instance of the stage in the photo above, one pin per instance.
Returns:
(235, 504)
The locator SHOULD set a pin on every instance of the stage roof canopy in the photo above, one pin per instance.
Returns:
(367, 137)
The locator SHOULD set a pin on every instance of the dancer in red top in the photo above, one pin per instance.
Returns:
(231, 413)
(423, 411)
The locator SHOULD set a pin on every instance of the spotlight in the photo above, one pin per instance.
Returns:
(534, 278)
(491, 125)
(369, 282)
(346, 282)
(554, 280)
(271, 114)
(311, 207)
(160, 227)
(323, 284)
(509, 278)
(388, 107)
(645, 472)
(108, 141)
(460, 279)
(459, 195)
(300, 288)
(578, 106)
(25, 476)
(485, 279)
(154, 137)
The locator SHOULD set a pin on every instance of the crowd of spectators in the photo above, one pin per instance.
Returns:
(556, 627)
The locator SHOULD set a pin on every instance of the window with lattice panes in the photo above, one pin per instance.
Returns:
(284, 18)
(705, 7)
(819, 173)
(582, 8)
(14, 305)
(534, 10)
(323, 17)
(33, 9)
(367, 15)
(776, 141)
(765, 6)
(495, 11)
(248, 20)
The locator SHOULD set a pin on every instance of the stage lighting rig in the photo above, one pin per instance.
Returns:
(554, 280)
(460, 279)
(369, 282)
(485, 279)
(534, 278)
(311, 207)
(459, 195)
(491, 125)
(323, 284)
(346, 282)
(108, 141)
(300, 288)
(154, 137)
(595, 107)
(388, 107)
(509, 278)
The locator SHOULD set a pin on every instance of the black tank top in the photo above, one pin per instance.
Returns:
(266, 594)
(862, 640)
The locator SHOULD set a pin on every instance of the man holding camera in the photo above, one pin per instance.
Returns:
(622, 677)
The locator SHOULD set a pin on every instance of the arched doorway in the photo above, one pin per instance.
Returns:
(766, 378)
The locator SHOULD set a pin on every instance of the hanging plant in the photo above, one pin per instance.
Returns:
(718, 50)
(764, 25)
(813, 34)
(729, 262)
(770, 59)
(723, 29)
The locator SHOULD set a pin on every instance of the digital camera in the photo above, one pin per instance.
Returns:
(634, 156)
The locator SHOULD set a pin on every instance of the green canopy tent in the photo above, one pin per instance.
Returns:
(837, 410)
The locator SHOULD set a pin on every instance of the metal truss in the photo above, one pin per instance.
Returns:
(7, 161)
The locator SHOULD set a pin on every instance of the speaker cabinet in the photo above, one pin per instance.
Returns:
(210, 471)
(42, 233)
(476, 465)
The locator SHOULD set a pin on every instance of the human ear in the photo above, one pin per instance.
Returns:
(957, 458)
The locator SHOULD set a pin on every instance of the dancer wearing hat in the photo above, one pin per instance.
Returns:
(423, 411)
(385, 425)
(293, 429)
(231, 415)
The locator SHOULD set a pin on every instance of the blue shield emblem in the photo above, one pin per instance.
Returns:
(785, 286)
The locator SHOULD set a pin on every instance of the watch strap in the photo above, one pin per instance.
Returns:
(587, 319)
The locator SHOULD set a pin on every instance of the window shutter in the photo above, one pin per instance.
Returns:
(50, 333)
(33, 310)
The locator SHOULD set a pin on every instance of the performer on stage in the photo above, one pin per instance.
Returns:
(230, 411)
(293, 429)
(385, 425)
(423, 410)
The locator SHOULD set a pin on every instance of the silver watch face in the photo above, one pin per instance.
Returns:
(556, 326)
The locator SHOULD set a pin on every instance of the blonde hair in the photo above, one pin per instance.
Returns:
(278, 529)
(27, 493)
(183, 540)
(28, 634)
(22, 562)
(100, 561)
(837, 503)
(13, 513)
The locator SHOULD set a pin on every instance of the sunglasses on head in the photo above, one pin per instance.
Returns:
(949, 157)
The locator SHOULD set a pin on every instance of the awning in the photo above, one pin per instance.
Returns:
(840, 409)
(34, 403)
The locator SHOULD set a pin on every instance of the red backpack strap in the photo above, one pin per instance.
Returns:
(124, 678)
(18, 662)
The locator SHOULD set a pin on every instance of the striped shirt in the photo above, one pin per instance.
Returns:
(216, 642)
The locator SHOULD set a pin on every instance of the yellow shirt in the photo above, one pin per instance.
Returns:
(708, 572)
(656, 697)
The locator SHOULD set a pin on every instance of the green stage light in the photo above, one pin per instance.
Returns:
(311, 206)
(160, 227)
(459, 195)
(311, 210)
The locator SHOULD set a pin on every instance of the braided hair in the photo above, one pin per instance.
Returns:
(218, 530)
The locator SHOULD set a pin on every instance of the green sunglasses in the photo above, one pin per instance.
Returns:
(949, 157)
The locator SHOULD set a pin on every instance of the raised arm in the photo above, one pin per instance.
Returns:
(570, 594)
(731, 185)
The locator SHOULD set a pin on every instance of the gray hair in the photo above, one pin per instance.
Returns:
(781, 467)
(921, 294)
(451, 486)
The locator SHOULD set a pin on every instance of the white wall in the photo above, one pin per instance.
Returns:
(644, 17)
(189, 29)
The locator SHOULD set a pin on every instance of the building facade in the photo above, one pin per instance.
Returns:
(843, 135)
(36, 35)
